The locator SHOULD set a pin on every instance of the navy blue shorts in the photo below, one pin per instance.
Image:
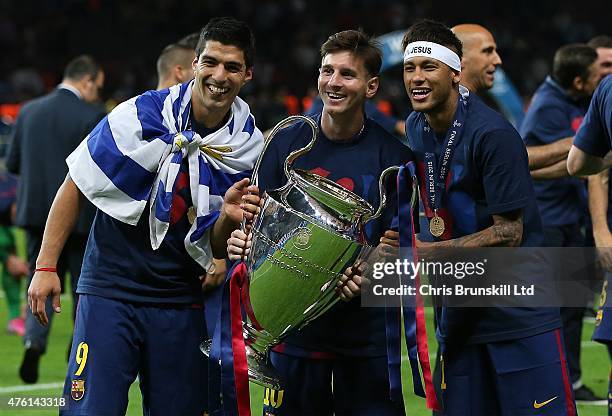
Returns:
(603, 321)
(360, 387)
(526, 376)
(116, 341)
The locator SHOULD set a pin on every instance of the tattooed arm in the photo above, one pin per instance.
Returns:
(506, 231)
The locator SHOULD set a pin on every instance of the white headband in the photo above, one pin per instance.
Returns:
(435, 51)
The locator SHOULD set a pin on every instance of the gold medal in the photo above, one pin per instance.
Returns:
(436, 225)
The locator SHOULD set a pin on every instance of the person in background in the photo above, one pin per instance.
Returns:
(547, 160)
(554, 116)
(589, 155)
(13, 267)
(47, 130)
(557, 107)
(174, 65)
(480, 57)
(603, 46)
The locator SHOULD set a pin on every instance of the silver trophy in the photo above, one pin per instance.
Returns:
(307, 233)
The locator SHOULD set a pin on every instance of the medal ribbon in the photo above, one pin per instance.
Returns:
(414, 316)
(436, 170)
(228, 347)
(241, 376)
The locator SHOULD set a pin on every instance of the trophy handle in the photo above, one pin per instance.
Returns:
(293, 155)
(383, 193)
(299, 152)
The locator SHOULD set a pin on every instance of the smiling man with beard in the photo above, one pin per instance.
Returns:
(338, 363)
(182, 155)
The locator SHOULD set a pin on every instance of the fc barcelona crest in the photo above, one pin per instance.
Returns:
(77, 390)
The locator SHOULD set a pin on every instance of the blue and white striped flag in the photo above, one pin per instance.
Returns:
(134, 154)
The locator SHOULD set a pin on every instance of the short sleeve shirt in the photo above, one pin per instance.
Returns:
(488, 175)
(595, 134)
(552, 116)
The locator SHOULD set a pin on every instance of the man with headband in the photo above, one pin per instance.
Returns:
(478, 193)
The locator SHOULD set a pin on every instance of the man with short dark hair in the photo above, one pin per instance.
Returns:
(322, 363)
(47, 130)
(191, 40)
(86, 75)
(183, 155)
(476, 192)
(546, 160)
(554, 116)
(174, 65)
(603, 46)
(574, 77)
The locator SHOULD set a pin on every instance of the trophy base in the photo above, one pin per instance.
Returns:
(260, 372)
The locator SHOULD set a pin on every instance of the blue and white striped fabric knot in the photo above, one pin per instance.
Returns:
(133, 157)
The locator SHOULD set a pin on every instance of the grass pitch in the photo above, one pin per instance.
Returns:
(595, 365)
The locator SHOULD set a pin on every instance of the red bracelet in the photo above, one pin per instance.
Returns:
(46, 269)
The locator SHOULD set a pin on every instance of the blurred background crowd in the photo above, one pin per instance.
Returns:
(39, 38)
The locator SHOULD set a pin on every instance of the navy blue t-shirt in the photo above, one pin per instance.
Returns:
(553, 116)
(356, 164)
(119, 262)
(595, 138)
(488, 175)
(595, 134)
